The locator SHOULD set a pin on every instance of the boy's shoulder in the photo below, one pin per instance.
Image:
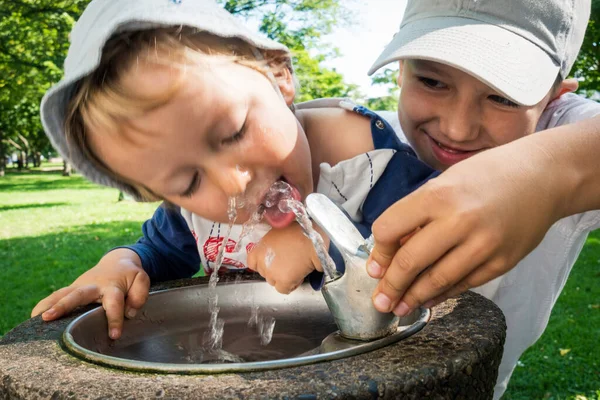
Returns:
(567, 109)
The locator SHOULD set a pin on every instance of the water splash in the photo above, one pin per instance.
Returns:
(213, 339)
(248, 226)
(266, 325)
(287, 205)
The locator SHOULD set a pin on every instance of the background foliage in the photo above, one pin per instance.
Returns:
(34, 42)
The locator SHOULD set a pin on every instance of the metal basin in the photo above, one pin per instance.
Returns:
(168, 334)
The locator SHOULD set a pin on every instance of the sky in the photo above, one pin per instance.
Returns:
(361, 43)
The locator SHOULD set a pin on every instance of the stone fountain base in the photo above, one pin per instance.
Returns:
(455, 356)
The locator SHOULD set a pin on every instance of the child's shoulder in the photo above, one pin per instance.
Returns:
(335, 133)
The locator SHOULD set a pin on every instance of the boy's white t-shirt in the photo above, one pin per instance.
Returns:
(527, 293)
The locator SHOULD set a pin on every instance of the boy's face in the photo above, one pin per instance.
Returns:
(225, 133)
(448, 115)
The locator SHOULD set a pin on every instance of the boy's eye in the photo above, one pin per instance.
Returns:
(503, 101)
(194, 184)
(432, 83)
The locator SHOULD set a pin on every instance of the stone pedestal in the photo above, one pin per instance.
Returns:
(455, 356)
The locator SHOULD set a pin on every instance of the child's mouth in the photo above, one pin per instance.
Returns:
(280, 191)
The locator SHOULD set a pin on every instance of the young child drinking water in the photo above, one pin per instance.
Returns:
(178, 101)
(475, 76)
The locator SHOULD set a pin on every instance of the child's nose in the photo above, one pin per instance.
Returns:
(460, 122)
(232, 180)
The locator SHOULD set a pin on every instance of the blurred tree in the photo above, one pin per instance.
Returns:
(387, 78)
(587, 65)
(34, 43)
(301, 25)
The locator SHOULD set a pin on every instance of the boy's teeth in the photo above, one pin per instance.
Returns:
(447, 149)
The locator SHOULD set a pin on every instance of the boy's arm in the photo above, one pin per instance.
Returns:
(483, 215)
(168, 249)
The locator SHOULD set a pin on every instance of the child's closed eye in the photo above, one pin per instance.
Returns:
(193, 187)
(236, 137)
(503, 101)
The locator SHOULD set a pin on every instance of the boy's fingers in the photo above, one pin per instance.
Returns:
(395, 223)
(482, 274)
(409, 261)
(137, 294)
(449, 276)
(79, 296)
(113, 302)
(380, 259)
(49, 301)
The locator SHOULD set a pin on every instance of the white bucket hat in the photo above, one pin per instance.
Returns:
(518, 47)
(101, 20)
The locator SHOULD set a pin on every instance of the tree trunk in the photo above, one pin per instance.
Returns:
(66, 168)
(20, 160)
(2, 154)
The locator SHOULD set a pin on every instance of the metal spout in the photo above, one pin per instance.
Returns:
(349, 296)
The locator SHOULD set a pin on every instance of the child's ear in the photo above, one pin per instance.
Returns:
(566, 86)
(401, 69)
(287, 85)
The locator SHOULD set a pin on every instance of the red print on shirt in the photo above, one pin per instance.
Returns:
(250, 246)
(211, 250)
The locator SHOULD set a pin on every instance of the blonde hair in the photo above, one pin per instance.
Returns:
(101, 100)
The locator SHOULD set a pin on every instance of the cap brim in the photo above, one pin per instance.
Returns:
(503, 60)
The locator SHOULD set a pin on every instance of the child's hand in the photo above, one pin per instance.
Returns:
(477, 220)
(117, 281)
(284, 257)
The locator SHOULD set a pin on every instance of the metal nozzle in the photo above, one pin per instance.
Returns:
(349, 296)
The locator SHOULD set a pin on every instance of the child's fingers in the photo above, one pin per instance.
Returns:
(48, 302)
(78, 296)
(113, 302)
(482, 274)
(444, 274)
(137, 294)
(398, 221)
(409, 261)
(377, 270)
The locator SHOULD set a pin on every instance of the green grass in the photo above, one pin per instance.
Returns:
(543, 373)
(53, 228)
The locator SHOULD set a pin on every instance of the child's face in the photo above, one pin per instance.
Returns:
(448, 115)
(225, 133)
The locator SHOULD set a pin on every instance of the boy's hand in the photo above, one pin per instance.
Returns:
(284, 257)
(118, 282)
(471, 224)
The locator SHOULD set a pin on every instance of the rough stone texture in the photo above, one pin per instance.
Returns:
(456, 356)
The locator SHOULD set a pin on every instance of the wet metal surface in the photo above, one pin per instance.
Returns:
(168, 334)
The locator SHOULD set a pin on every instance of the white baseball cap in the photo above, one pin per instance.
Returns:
(98, 23)
(518, 47)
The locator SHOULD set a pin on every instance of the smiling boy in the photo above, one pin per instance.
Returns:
(478, 76)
